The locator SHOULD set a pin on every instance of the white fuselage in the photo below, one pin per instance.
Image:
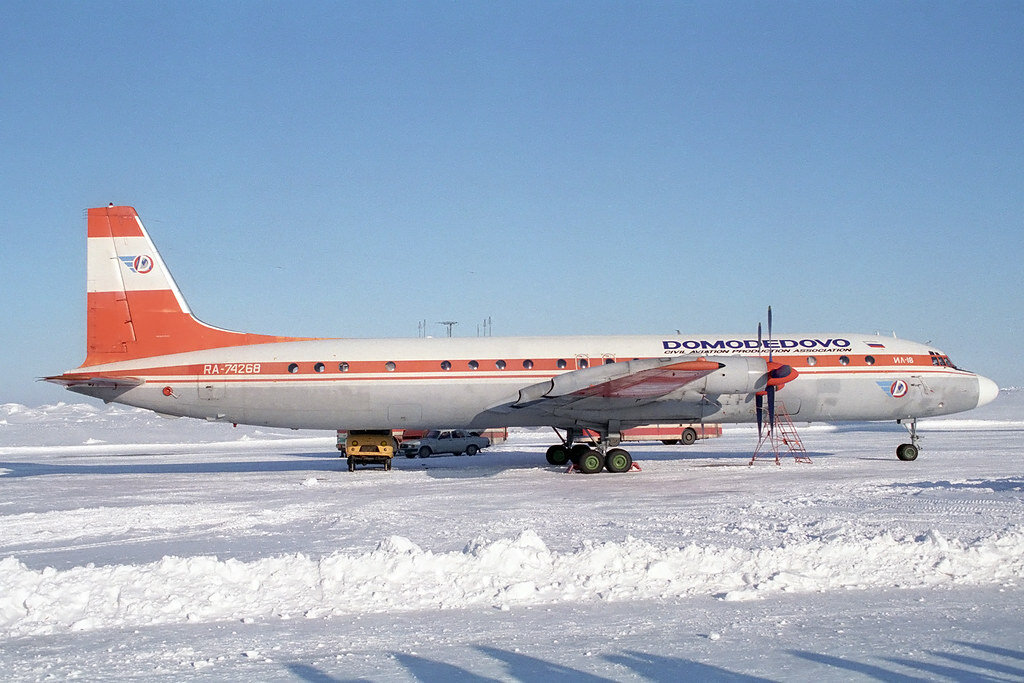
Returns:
(476, 382)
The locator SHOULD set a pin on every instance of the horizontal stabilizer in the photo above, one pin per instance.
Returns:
(71, 380)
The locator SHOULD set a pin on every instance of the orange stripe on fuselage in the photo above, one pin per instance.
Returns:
(540, 368)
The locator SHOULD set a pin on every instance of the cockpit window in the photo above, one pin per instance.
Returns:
(941, 360)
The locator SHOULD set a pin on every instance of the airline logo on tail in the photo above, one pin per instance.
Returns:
(138, 264)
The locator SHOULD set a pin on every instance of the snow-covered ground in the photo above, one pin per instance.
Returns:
(134, 546)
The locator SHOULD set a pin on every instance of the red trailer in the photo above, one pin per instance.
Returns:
(669, 434)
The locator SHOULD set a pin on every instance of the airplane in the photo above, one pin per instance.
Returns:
(144, 348)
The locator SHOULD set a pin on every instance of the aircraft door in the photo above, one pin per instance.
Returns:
(402, 414)
(790, 403)
(919, 392)
(210, 391)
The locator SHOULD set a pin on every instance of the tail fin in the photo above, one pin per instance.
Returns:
(134, 309)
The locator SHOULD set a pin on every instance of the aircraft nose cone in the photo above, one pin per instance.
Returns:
(987, 391)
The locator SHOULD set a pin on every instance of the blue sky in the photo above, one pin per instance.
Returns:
(348, 169)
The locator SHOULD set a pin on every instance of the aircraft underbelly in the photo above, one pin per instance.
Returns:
(369, 405)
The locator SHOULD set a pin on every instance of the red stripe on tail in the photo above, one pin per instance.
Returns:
(114, 221)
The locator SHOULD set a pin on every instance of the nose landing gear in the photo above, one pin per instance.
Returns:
(909, 451)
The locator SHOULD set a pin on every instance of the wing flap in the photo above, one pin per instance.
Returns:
(652, 383)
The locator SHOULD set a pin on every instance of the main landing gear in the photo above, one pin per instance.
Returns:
(909, 451)
(590, 460)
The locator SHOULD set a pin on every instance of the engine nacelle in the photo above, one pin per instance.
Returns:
(737, 375)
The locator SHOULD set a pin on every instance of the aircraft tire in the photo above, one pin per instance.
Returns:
(618, 460)
(590, 462)
(577, 452)
(689, 436)
(557, 455)
(906, 452)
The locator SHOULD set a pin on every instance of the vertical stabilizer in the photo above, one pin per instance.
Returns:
(134, 309)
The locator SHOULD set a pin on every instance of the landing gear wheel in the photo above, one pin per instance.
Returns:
(590, 462)
(351, 465)
(906, 452)
(577, 452)
(471, 449)
(425, 452)
(689, 436)
(618, 460)
(558, 455)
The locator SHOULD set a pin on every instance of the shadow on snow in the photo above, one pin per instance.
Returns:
(989, 665)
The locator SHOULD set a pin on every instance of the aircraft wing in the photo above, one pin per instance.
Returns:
(615, 385)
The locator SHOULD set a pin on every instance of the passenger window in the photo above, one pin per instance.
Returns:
(609, 361)
(561, 364)
(390, 366)
(870, 360)
(844, 360)
(446, 365)
(811, 360)
(473, 365)
(500, 364)
(527, 365)
(583, 363)
(319, 367)
(293, 368)
(342, 367)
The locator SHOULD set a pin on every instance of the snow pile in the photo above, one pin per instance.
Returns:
(399, 575)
